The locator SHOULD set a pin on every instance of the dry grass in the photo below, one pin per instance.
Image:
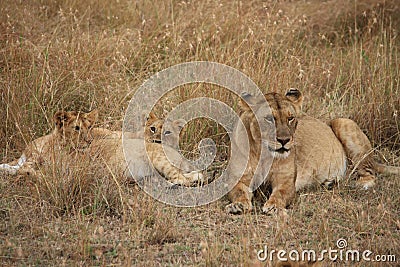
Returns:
(344, 56)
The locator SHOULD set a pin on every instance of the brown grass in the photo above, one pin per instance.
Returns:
(344, 56)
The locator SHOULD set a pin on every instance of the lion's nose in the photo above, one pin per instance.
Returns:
(283, 140)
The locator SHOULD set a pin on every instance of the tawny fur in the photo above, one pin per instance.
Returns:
(313, 152)
(130, 156)
(72, 134)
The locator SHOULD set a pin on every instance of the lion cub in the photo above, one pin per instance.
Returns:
(71, 134)
(155, 131)
(166, 131)
(130, 155)
(74, 134)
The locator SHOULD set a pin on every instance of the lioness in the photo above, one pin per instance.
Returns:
(305, 150)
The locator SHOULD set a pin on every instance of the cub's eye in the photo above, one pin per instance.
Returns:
(167, 132)
(77, 128)
(290, 119)
(269, 119)
(153, 129)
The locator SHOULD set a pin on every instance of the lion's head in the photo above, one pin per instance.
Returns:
(166, 130)
(277, 120)
(74, 128)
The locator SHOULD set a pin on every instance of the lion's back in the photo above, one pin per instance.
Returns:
(320, 156)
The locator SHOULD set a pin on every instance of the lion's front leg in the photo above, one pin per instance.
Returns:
(28, 169)
(173, 174)
(240, 196)
(283, 193)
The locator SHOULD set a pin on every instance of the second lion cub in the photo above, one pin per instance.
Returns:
(130, 157)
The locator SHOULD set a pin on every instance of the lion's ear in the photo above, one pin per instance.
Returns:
(92, 116)
(247, 100)
(60, 117)
(152, 117)
(180, 123)
(296, 97)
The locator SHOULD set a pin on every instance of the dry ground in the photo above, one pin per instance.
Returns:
(344, 55)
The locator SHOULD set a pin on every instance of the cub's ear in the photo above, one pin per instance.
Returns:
(147, 118)
(180, 123)
(247, 100)
(60, 117)
(152, 117)
(92, 116)
(296, 97)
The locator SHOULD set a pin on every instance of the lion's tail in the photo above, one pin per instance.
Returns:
(382, 168)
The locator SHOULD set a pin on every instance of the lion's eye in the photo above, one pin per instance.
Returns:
(167, 132)
(153, 129)
(269, 119)
(291, 119)
(77, 128)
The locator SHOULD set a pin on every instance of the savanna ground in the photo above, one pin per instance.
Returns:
(79, 55)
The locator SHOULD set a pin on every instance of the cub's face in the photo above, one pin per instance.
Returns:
(277, 120)
(153, 128)
(74, 128)
(167, 131)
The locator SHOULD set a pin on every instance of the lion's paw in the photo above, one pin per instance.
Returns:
(269, 208)
(366, 182)
(194, 176)
(237, 208)
(8, 169)
(272, 209)
(27, 171)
